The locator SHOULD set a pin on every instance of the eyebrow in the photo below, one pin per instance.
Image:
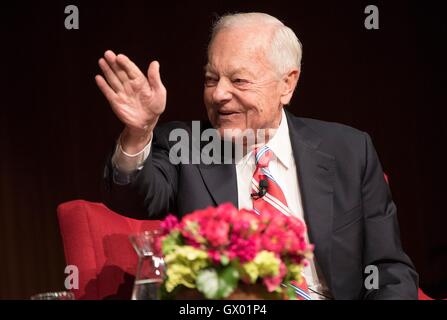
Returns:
(208, 68)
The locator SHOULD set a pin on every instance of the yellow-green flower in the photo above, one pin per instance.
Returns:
(267, 263)
(183, 264)
(178, 274)
(294, 272)
(250, 271)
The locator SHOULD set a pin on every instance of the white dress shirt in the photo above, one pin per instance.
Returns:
(282, 167)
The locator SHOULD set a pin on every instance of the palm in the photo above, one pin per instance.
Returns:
(137, 103)
(136, 100)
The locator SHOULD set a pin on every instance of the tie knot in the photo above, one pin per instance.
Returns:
(263, 156)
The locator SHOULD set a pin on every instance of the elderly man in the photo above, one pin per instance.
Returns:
(327, 174)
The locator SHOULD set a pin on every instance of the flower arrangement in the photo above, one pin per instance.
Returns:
(215, 249)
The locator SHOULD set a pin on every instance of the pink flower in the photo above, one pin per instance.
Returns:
(192, 242)
(214, 255)
(273, 282)
(168, 224)
(292, 242)
(226, 212)
(297, 226)
(273, 239)
(296, 259)
(216, 232)
(246, 224)
(244, 249)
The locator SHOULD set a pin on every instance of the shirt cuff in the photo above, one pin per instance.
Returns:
(126, 166)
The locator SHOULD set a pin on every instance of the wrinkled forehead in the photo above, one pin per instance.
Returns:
(238, 48)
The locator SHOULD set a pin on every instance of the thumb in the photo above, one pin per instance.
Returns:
(153, 75)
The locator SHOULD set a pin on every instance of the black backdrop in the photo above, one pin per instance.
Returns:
(56, 128)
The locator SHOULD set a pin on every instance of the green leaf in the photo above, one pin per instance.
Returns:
(208, 283)
(228, 280)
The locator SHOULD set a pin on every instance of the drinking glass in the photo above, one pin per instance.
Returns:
(151, 267)
(61, 295)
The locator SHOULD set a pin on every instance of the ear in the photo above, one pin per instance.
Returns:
(288, 85)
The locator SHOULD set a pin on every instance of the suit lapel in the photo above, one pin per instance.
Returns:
(315, 170)
(221, 182)
(219, 179)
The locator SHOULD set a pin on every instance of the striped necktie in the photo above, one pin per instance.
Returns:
(272, 198)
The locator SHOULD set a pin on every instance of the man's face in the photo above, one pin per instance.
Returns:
(242, 90)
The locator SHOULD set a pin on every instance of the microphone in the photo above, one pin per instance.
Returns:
(263, 187)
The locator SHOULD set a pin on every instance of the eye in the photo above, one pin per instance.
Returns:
(210, 81)
(240, 81)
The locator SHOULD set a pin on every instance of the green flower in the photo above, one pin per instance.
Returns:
(183, 263)
(178, 274)
(170, 242)
(294, 272)
(250, 271)
(267, 263)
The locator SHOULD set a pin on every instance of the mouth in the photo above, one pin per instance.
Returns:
(227, 113)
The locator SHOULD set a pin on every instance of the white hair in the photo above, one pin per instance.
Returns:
(285, 49)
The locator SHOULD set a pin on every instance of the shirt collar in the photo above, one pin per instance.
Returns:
(280, 142)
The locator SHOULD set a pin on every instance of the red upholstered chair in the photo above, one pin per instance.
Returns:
(422, 295)
(96, 240)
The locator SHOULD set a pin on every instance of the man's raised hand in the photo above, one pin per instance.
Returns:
(137, 100)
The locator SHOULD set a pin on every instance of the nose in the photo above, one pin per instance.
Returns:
(222, 92)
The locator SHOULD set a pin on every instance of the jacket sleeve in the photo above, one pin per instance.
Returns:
(151, 192)
(382, 247)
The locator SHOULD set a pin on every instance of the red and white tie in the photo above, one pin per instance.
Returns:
(274, 201)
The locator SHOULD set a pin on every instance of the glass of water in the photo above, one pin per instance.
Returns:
(61, 295)
(151, 267)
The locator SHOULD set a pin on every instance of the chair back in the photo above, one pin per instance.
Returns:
(95, 239)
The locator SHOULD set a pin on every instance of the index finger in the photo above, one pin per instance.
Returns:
(132, 71)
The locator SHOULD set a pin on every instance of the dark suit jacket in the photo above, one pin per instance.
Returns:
(347, 204)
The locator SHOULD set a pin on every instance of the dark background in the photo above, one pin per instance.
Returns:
(56, 128)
